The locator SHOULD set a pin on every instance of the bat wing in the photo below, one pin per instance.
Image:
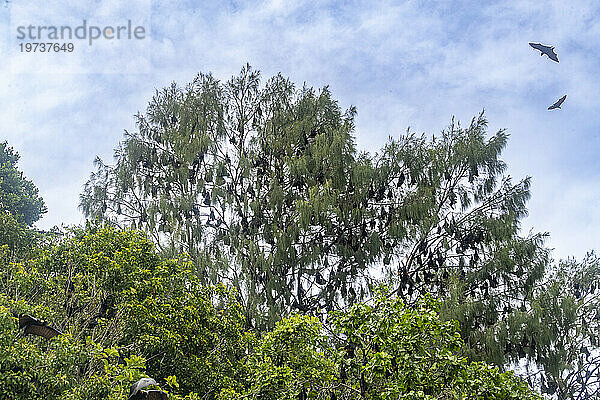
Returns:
(27, 320)
(44, 331)
(547, 50)
(34, 326)
(558, 103)
(537, 46)
(552, 54)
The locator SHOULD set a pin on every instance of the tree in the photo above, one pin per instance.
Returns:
(15, 238)
(109, 289)
(182, 329)
(266, 183)
(264, 180)
(559, 332)
(20, 206)
(32, 369)
(18, 196)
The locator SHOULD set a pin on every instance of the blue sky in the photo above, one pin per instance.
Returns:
(401, 64)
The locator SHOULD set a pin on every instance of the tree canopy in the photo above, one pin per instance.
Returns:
(18, 195)
(267, 180)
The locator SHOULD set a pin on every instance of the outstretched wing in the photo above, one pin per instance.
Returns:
(26, 320)
(34, 326)
(538, 46)
(552, 54)
(558, 103)
(44, 331)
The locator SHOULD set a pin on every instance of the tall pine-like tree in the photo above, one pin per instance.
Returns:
(267, 181)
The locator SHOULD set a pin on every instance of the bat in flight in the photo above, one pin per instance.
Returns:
(558, 103)
(35, 326)
(547, 50)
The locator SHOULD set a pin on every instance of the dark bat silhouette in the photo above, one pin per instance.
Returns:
(547, 50)
(558, 103)
(136, 391)
(34, 326)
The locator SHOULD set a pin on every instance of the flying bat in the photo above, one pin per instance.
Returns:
(36, 327)
(558, 103)
(547, 50)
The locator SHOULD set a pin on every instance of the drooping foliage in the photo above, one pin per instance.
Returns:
(266, 182)
(261, 184)
(560, 331)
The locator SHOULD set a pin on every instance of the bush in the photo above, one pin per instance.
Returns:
(380, 351)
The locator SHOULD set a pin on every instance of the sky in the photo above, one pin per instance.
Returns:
(402, 64)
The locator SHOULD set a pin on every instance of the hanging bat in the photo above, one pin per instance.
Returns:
(136, 391)
(547, 50)
(36, 327)
(558, 103)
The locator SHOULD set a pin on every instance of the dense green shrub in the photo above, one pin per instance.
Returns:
(381, 351)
